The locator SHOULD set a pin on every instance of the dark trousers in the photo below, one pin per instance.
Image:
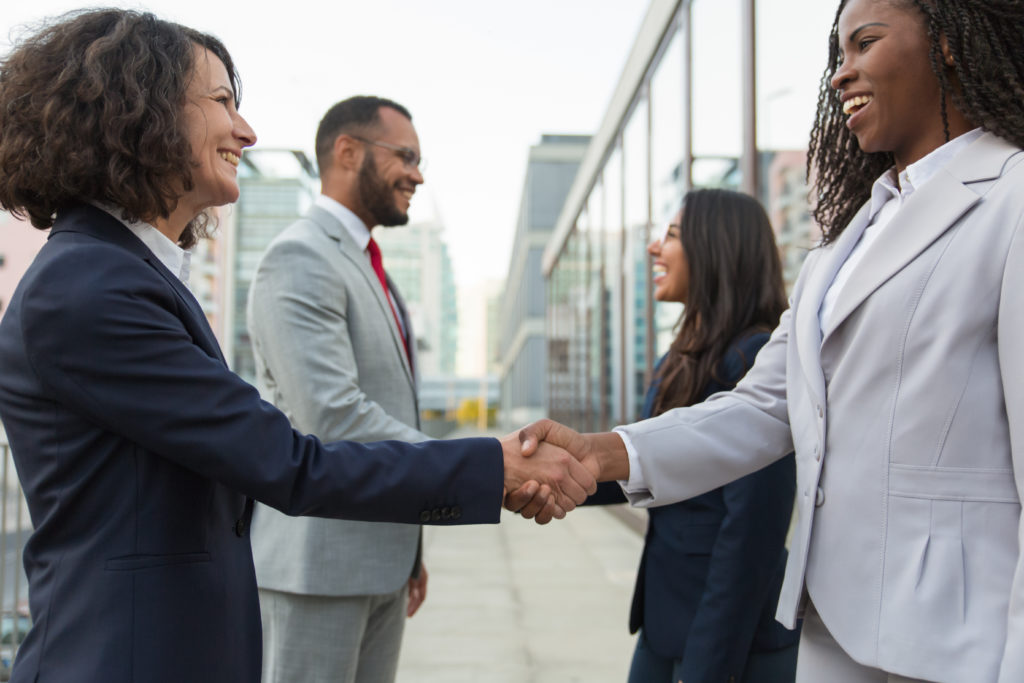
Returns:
(776, 666)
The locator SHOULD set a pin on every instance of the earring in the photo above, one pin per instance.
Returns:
(949, 60)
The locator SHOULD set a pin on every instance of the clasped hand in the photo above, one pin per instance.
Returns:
(549, 470)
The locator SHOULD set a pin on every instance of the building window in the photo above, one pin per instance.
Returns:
(558, 355)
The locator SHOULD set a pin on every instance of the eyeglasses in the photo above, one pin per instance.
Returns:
(410, 157)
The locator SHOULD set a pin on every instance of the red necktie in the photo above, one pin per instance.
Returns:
(378, 267)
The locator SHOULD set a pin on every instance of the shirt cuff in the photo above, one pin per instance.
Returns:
(635, 483)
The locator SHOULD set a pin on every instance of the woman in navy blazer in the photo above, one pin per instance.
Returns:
(139, 451)
(712, 566)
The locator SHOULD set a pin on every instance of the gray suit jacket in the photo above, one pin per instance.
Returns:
(330, 356)
(907, 418)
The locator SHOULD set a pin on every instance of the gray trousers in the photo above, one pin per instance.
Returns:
(822, 660)
(319, 639)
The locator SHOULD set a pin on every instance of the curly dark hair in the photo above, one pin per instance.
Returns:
(92, 109)
(735, 289)
(984, 38)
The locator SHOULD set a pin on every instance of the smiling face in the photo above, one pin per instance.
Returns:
(890, 94)
(217, 134)
(671, 268)
(386, 183)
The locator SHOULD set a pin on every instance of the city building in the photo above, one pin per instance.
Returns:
(522, 349)
(709, 97)
(208, 270)
(19, 243)
(276, 187)
(478, 328)
(416, 259)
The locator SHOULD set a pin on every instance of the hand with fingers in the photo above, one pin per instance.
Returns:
(603, 455)
(546, 480)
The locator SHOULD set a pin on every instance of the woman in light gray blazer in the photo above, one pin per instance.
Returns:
(897, 375)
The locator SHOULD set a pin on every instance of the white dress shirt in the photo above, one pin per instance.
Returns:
(173, 257)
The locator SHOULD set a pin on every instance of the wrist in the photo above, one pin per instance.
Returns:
(610, 454)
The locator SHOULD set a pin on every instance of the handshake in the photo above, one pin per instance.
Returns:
(550, 468)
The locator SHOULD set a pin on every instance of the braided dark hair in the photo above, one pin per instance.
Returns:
(984, 38)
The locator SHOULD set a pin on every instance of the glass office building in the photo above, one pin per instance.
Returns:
(715, 93)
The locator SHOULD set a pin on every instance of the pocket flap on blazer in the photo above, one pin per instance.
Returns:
(129, 562)
(952, 483)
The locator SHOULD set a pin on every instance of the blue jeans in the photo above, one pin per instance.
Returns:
(777, 666)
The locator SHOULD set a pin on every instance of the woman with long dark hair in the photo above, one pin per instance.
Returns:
(712, 565)
(896, 375)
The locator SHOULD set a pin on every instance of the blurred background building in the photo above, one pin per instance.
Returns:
(276, 187)
(521, 346)
(698, 104)
(19, 242)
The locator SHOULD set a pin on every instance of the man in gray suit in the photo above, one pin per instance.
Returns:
(334, 350)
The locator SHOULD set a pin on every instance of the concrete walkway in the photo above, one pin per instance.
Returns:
(521, 603)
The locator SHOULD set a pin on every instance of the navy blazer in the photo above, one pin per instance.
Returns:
(139, 452)
(712, 566)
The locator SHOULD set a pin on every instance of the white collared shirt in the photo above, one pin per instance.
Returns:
(360, 235)
(173, 257)
(887, 198)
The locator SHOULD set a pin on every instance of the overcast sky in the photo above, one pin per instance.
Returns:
(482, 79)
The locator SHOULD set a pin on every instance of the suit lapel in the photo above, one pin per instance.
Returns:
(88, 219)
(927, 214)
(351, 251)
(807, 324)
(200, 323)
(403, 313)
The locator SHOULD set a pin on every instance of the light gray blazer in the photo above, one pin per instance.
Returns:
(329, 354)
(907, 418)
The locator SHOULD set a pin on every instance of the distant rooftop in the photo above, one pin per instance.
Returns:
(276, 163)
(558, 139)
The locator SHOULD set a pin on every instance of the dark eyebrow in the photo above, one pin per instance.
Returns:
(853, 34)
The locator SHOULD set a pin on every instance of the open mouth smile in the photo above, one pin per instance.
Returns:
(229, 157)
(855, 104)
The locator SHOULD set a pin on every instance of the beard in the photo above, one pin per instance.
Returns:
(377, 196)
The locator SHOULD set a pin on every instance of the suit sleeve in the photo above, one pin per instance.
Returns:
(299, 325)
(1011, 361)
(114, 349)
(728, 436)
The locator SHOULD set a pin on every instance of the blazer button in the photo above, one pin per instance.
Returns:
(456, 512)
(446, 513)
(817, 452)
(425, 516)
(240, 527)
(819, 497)
(436, 515)
(821, 413)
